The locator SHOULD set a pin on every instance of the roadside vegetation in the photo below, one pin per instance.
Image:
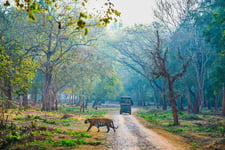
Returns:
(64, 128)
(202, 131)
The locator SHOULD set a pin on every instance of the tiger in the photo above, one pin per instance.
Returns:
(100, 122)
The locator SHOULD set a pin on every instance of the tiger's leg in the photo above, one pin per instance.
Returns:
(108, 127)
(89, 127)
(112, 126)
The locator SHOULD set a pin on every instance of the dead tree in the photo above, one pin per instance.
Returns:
(160, 69)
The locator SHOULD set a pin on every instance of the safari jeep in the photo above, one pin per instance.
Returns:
(125, 104)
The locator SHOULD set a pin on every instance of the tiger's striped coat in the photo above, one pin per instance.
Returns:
(100, 122)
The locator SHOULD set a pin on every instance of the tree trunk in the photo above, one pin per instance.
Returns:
(53, 97)
(172, 101)
(25, 100)
(155, 100)
(181, 107)
(83, 105)
(188, 100)
(215, 103)
(95, 103)
(196, 103)
(56, 103)
(46, 93)
(86, 103)
(34, 94)
(195, 108)
(47, 87)
(8, 93)
(72, 100)
(164, 105)
(209, 104)
(223, 103)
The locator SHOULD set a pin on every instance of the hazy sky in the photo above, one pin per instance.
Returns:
(135, 11)
(132, 11)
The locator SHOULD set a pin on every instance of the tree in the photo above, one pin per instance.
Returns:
(20, 69)
(214, 35)
(160, 68)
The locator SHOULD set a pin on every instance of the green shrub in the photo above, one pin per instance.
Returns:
(221, 130)
(58, 130)
(14, 137)
(45, 133)
(94, 143)
(81, 134)
(78, 134)
(19, 118)
(169, 124)
(155, 121)
(38, 117)
(175, 130)
(196, 129)
(69, 142)
(48, 141)
(67, 124)
(43, 147)
(194, 145)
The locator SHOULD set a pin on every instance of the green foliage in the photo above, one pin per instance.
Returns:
(217, 74)
(78, 134)
(69, 142)
(209, 130)
(221, 130)
(38, 117)
(41, 145)
(47, 133)
(94, 143)
(19, 118)
(217, 25)
(175, 130)
(67, 124)
(196, 129)
(212, 20)
(17, 70)
(156, 117)
(194, 145)
(58, 130)
(108, 86)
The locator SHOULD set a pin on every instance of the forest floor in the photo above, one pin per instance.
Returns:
(62, 129)
(204, 131)
(65, 129)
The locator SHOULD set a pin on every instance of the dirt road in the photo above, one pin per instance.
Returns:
(131, 135)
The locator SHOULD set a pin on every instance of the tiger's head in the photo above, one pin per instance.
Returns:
(86, 121)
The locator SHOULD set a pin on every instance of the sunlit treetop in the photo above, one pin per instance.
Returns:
(33, 7)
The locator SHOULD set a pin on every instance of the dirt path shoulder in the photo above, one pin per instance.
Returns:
(132, 135)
